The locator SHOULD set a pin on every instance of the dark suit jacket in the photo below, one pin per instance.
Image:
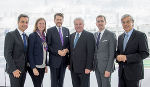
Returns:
(35, 50)
(81, 57)
(136, 50)
(54, 44)
(14, 52)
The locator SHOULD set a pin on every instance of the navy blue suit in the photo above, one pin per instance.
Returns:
(35, 52)
(57, 63)
(35, 57)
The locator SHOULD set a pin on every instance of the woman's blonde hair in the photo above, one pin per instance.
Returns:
(35, 26)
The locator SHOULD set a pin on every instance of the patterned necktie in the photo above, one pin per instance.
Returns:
(61, 36)
(125, 41)
(76, 39)
(98, 38)
(25, 42)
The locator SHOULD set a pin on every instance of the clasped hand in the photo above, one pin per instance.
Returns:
(122, 58)
(63, 52)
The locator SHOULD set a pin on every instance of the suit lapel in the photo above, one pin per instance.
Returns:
(64, 34)
(95, 36)
(19, 37)
(130, 39)
(103, 37)
(80, 38)
(121, 42)
(72, 39)
(56, 32)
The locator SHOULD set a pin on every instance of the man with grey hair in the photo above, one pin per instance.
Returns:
(105, 48)
(131, 51)
(82, 45)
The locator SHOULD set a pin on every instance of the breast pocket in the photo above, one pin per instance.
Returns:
(104, 43)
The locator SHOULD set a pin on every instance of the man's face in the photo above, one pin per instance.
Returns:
(100, 23)
(78, 24)
(58, 21)
(23, 23)
(127, 24)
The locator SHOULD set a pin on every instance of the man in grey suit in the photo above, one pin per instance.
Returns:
(104, 52)
(15, 49)
(82, 45)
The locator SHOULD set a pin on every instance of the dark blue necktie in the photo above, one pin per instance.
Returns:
(25, 42)
(98, 38)
(76, 39)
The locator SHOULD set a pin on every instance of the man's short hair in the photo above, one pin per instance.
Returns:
(101, 16)
(59, 14)
(127, 15)
(22, 15)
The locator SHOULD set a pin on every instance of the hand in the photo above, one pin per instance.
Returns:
(35, 72)
(46, 69)
(17, 73)
(87, 71)
(65, 50)
(61, 53)
(122, 58)
(107, 74)
(119, 58)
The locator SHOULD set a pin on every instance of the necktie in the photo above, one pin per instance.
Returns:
(24, 41)
(61, 36)
(98, 38)
(76, 39)
(125, 41)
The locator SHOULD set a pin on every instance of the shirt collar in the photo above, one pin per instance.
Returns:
(79, 34)
(129, 33)
(20, 32)
(102, 32)
(58, 28)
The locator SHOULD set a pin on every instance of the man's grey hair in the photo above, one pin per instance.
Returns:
(79, 18)
(127, 15)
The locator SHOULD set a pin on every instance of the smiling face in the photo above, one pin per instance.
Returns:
(23, 23)
(79, 25)
(100, 23)
(127, 24)
(58, 21)
(41, 25)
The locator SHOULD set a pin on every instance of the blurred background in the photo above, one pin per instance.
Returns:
(88, 10)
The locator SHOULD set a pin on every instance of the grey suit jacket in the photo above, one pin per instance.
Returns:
(14, 52)
(104, 54)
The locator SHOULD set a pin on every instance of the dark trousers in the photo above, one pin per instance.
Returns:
(80, 79)
(123, 82)
(37, 80)
(17, 82)
(57, 76)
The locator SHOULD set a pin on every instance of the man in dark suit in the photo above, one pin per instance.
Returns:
(132, 49)
(15, 49)
(82, 45)
(58, 45)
